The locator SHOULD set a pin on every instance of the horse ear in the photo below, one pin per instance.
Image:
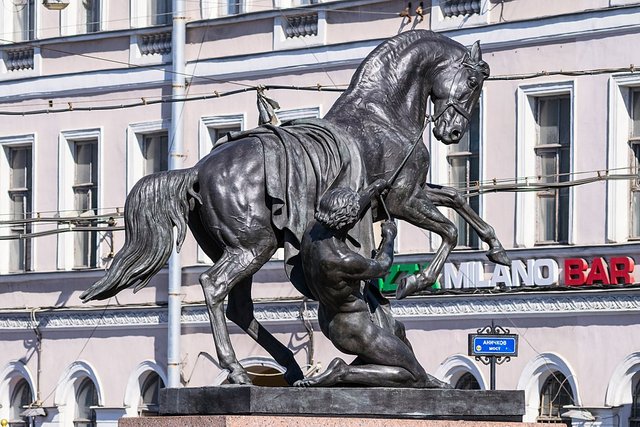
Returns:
(476, 53)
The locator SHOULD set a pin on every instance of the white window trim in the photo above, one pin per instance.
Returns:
(6, 22)
(65, 395)
(440, 23)
(132, 392)
(454, 367)
(618, 191)
(66, 173)
(211, 10)
(535, 374)
(281, 42)
(135, 141)
(298, 113)
(69, 16)
(205, 144)
(219, 121)
(526, 168)
(12, 373)
(6, 143)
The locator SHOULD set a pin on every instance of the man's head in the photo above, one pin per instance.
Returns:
(339, 208)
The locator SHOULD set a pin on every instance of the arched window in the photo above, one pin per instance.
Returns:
(555, 393)
(149, 391)
(467, 382)
(634, 420)
(86, 397)
(20, 398)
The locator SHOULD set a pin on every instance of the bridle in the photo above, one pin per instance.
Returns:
(451, 103)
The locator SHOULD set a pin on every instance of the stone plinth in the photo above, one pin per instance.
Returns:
(352, 402)
(300, 421)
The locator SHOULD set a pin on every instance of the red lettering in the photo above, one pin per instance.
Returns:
(621, 270)
(575, 271)
(599, 273)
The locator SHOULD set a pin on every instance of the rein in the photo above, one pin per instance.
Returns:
(451, 103)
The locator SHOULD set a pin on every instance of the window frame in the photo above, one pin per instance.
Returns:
(136, 133)
(6, 144)
(7, 19)
(553, 380)
(526, 140)
(559, 151)
(618, 221)
(141, 16)
(66, 194)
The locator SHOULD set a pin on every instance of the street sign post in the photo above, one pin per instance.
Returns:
(493, 345)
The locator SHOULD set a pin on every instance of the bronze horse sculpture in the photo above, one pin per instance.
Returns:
(231, 202)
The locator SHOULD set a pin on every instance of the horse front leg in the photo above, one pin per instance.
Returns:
(451, 198)
(420, 211)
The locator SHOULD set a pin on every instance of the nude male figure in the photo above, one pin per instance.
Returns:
(335, 274)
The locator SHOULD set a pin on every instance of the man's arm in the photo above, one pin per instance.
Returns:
(356, 267)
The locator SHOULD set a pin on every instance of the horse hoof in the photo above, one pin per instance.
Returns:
(293, 375)
(239, 378)
(499, 256)
(407, 286)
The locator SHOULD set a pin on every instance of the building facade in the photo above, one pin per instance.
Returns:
(550, 160)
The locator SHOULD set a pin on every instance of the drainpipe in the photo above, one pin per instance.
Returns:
(176, 156)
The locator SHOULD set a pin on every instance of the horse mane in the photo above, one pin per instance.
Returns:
(388, 54)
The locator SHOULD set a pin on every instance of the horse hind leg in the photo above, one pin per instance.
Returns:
(240, 311)
(449, 197)
(234, 266)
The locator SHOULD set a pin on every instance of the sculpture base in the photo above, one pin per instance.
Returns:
(353, 402)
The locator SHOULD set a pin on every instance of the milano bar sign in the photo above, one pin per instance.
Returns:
(542, 272)
(617, 270)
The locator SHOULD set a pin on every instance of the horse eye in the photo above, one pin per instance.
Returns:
(472, 82)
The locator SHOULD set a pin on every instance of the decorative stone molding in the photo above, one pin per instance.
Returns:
(460, 8)
(301, 25)
(285, 312)
(157, 43)
(19, 59)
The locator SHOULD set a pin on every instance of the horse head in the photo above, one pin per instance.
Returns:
(455, 92)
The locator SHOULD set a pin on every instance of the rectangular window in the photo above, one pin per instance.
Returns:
(90, 15)
(231, 7)
(155, 150)
(634, 160)
(464, 172)
(552, 150)
(216, 132)
(20, 207)
(160, 12)
(85, 192)
(24, 22)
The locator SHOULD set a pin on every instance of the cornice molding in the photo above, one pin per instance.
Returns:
(437, 307)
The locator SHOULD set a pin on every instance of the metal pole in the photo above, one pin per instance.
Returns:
(175, 162)
(492, 373)
(492, 363)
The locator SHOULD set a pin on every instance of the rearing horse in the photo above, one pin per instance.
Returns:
(224, 200)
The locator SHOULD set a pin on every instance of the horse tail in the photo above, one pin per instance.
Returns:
(154, 206)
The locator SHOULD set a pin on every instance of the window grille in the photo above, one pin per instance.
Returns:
(20, 205)
(553, 120)
(555, 393)
(85, 191)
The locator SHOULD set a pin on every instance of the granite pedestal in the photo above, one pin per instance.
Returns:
(352, 402)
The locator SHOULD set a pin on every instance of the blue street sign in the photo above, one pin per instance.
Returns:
(493, 345)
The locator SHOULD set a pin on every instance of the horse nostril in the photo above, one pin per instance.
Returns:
(456, 134)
